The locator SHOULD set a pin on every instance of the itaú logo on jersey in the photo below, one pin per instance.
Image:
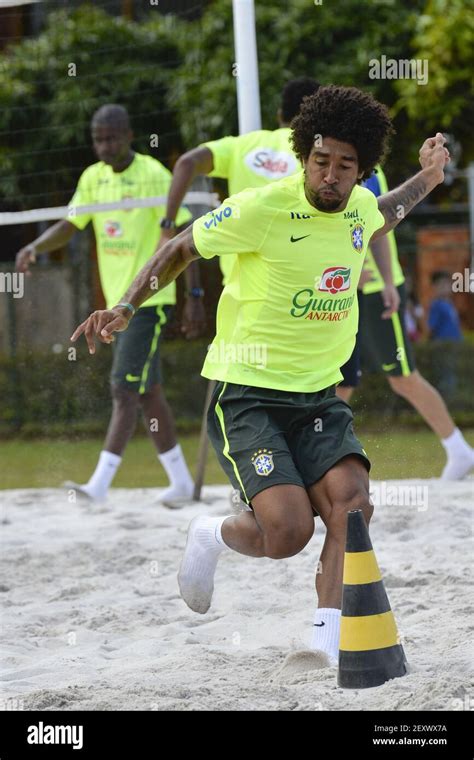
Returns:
(271, 164)
(335, 280)
(113, 229)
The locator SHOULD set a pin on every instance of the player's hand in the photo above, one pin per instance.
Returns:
(101, 324)
(434, 156)
(24, 258)
(194, 318)
(391, 301)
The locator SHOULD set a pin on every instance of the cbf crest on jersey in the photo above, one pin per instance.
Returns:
(262, 460)
(357, 237)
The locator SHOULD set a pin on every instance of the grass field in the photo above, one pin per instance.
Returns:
(47, 463)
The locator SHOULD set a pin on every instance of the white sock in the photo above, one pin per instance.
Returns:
(209, 533)
(455, 444)
(460, 456)
(104, 473)
(326, 632)
(177, 470)
(198, 566)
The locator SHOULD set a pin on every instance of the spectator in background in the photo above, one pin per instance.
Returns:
(443, 318)
(445, 329)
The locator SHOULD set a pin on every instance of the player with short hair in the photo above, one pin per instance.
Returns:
(126, 239)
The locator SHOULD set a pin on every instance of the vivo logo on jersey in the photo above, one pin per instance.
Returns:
(335, 279)
(270, 163)
(217, 217)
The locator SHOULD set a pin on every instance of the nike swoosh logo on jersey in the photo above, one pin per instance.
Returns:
(295, 240)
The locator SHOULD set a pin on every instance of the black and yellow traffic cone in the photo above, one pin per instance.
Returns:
(369, 648)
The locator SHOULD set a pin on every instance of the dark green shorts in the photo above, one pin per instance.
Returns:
(384, 344)
(266, 437)
(136, 364)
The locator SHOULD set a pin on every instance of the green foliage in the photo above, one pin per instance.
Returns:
(332, 43)
(177, 77)
(444, 35)
(73, 397)
(45, 111)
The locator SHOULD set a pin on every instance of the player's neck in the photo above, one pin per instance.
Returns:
(124, 164)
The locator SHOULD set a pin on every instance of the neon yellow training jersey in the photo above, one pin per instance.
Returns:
(377, 183)
(252, 160)
(125, 239)
(287, 318)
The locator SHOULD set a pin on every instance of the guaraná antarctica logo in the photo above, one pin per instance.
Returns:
(113, 229)
(335, 279)
(307, 303)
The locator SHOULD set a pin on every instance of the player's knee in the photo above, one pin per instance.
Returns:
(358, 498)
(154, 393)
(403, 385)
(287, 540)
(123, 397)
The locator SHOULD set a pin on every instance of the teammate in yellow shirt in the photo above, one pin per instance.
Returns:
(126, 239)
(250, 160)
(385, 347)
(282, 435)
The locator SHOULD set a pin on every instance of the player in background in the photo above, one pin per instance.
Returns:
(126, 239)
(385, 347)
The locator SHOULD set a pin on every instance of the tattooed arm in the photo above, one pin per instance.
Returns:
(396, 204)
(164, 267)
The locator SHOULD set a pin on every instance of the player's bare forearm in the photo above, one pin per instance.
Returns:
(193, 276)
(55, 237)
(50, 240)
(190, 165)
(381, 252)
(163, 268)
(396, 204)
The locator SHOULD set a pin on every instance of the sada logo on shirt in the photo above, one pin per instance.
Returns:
(270, 163)
(335, 279)
(113, 229)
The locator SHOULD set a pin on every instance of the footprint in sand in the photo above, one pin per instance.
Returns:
(300, 663)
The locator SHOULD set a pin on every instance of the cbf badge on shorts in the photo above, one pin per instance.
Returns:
(262, 460)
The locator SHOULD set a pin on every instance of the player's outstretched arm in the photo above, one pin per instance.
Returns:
(52, 239)
(164, 267)
(396, 204)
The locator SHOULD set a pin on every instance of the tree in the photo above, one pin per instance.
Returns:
(51, 85)
(334, 42)
(444, 36)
